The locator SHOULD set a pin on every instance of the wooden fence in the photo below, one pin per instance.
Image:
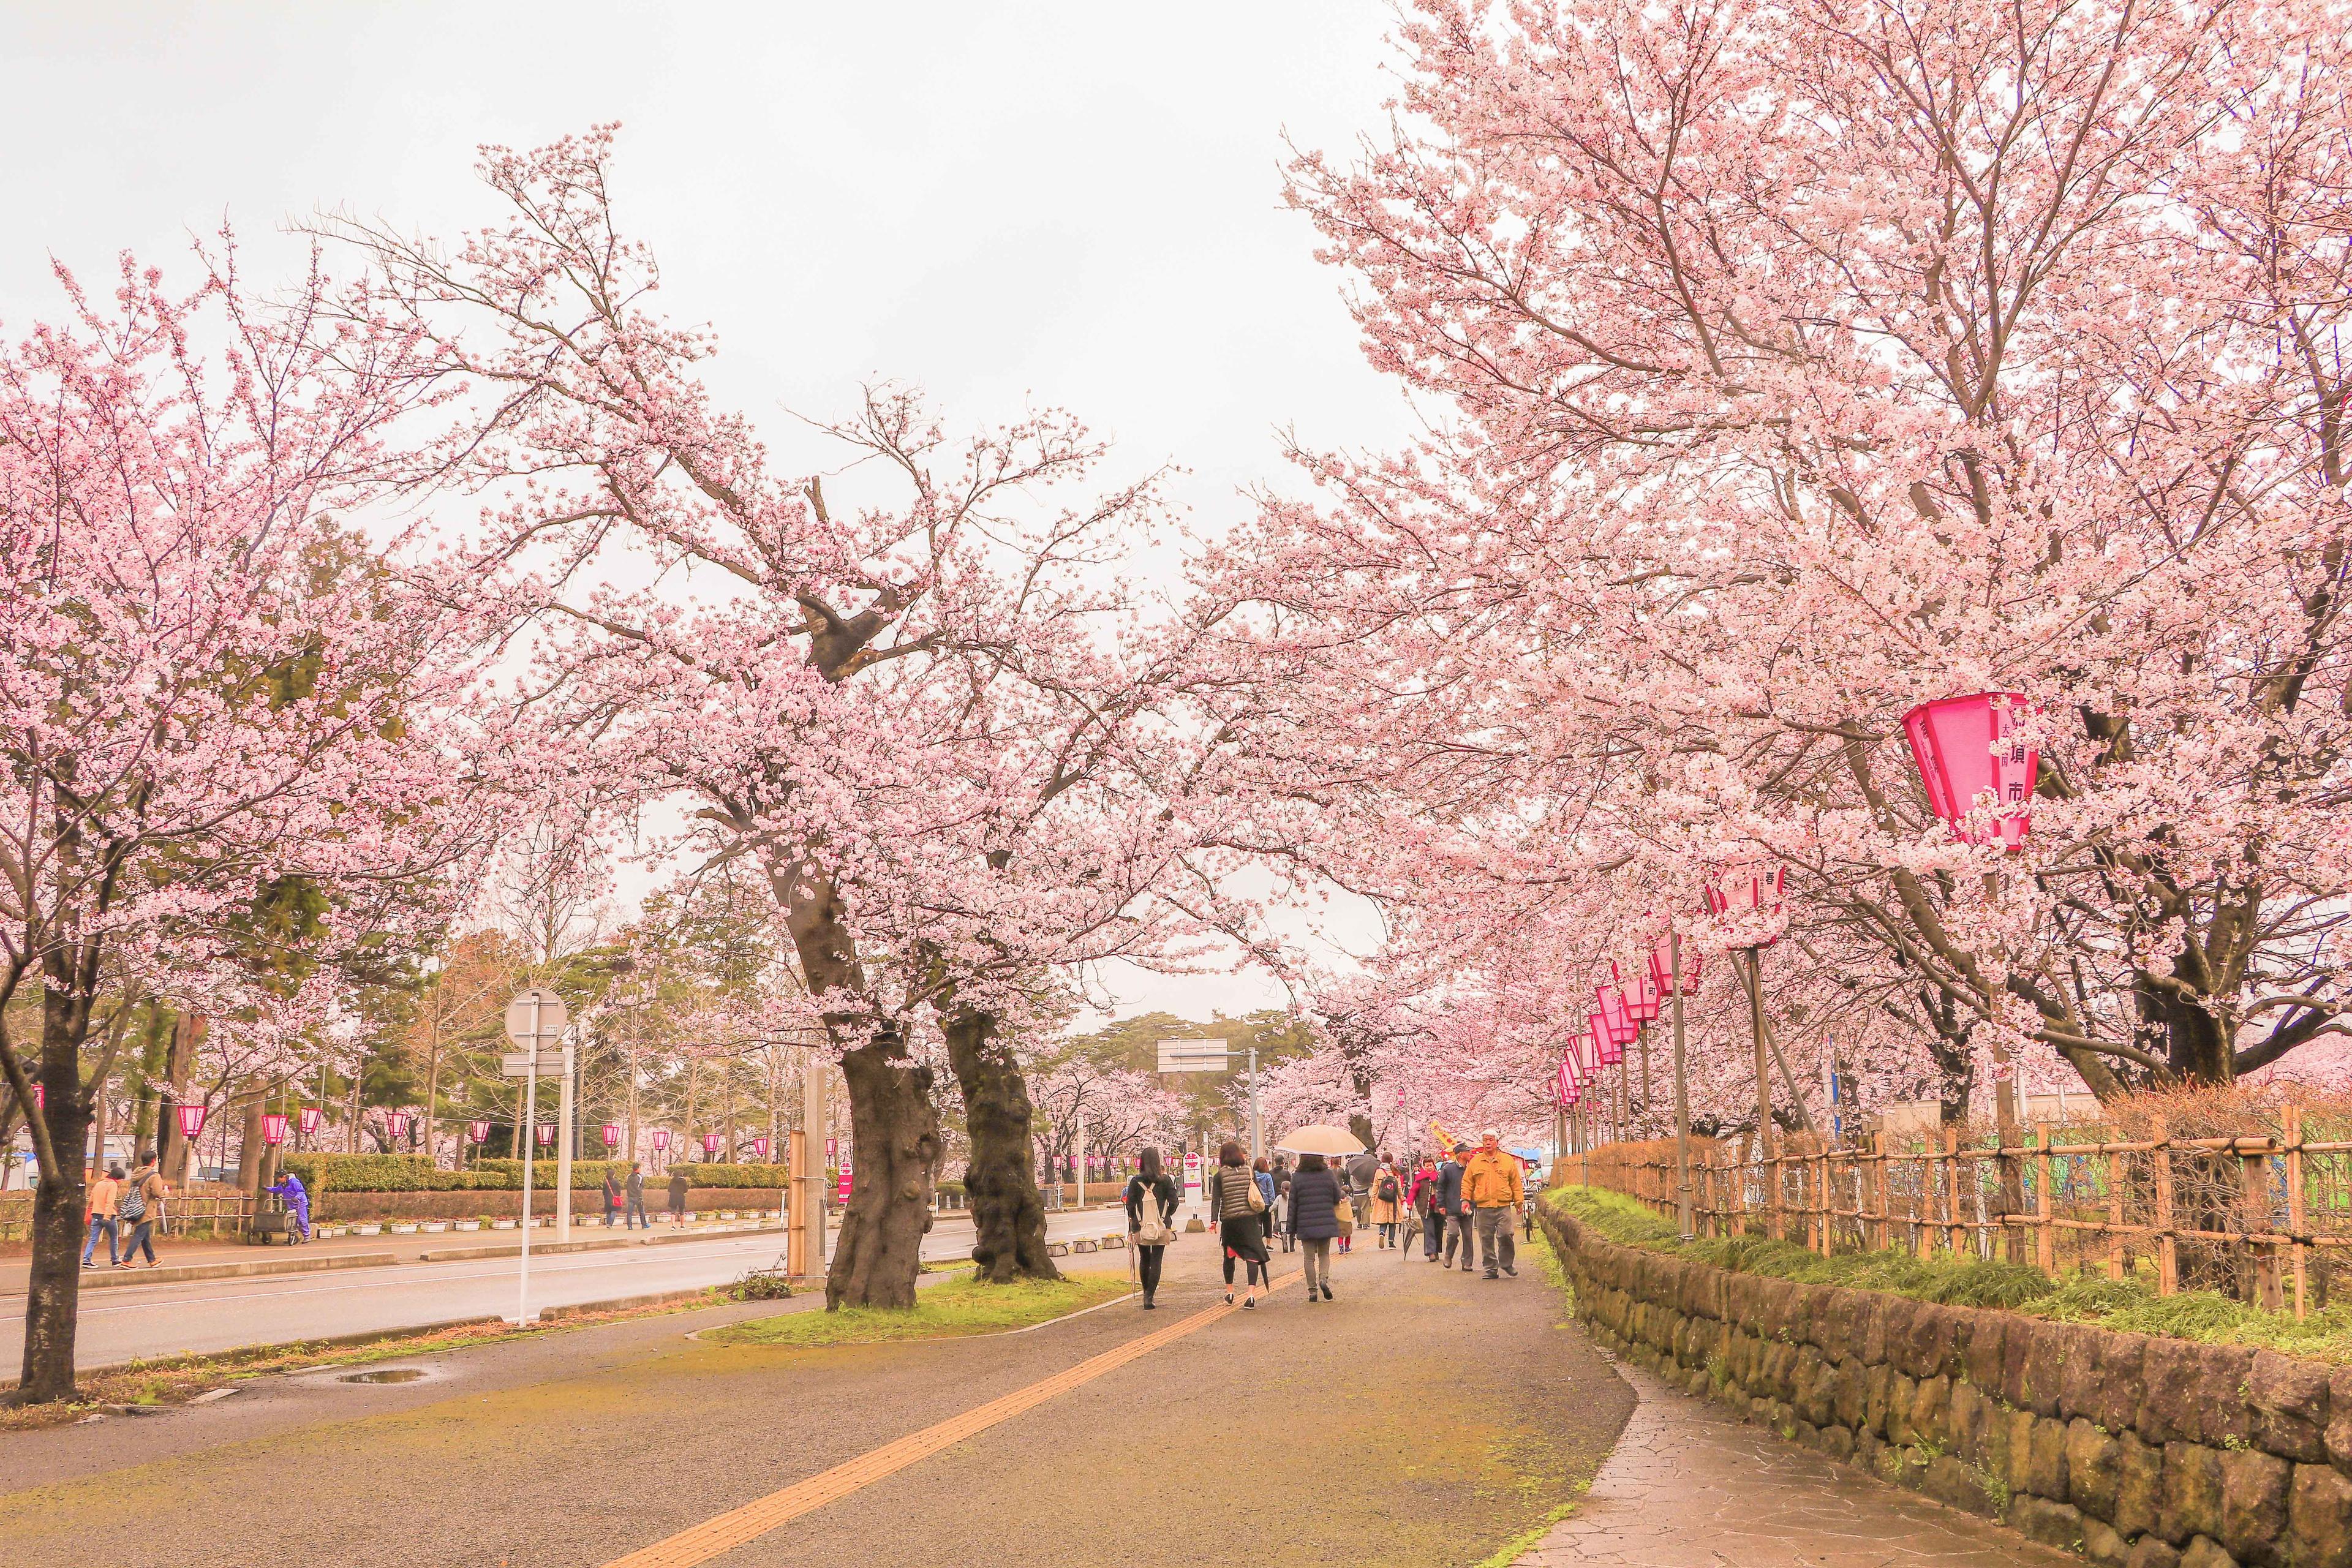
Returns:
(209, 1210)
(2261, 1217)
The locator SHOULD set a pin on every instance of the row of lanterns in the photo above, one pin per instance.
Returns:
(1979, 771)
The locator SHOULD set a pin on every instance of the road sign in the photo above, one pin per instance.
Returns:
(1193, 1056)
(525, 1064)
(540, 1010)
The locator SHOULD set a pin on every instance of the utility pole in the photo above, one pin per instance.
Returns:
(1682, 1215)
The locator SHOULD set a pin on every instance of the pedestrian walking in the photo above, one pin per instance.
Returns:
(1425, 1205)
(1361, 1170)
(678, 1185)
(1282, 1202)
(1264, 1173)
(636, 1192)
(1493, 1187)
(1456, 1212)
(1387, 1200)
(611, 1195)
(1151, 1221)
(1316, 1206)
(105, 1193)
(1236, 1206)
(141, 1207)
(297, 1199)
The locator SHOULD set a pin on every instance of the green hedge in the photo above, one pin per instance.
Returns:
(773, 1177)
(415, 1173)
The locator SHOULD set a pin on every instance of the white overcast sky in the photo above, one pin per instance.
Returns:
(1008, 205)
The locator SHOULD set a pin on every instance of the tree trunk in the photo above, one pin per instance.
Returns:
(177, 1155)
(1007, 1216)
(1361, 1126)
(894, 1133)
(53, 1292)
(255, 1100)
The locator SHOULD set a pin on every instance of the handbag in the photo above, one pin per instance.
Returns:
(1154, 1231)
(1257, 1198)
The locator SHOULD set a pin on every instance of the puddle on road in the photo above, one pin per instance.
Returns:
(389, 1374)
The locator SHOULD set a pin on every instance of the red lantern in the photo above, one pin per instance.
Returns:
(612, 1135)
(661, 1138)
(191, 1120)
(1662, 968)
(1616, 1016)
(398, 1122)
(1566, 1081)
(1972, 757)
(308, 1118)
(1748, 893)
(544, 1134)
(479, 1132)
(760, 1149)
(711, 1143)
(273, 1127)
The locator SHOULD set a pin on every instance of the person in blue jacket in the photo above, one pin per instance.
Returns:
(297, 1199)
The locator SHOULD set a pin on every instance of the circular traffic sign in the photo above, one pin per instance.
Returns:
(537, 1008)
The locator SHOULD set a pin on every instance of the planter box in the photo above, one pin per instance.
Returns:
(370, 1230)
(467, 1225)
(725, 1214)
(502, 1225)
(405, 1228)
(435, 1227)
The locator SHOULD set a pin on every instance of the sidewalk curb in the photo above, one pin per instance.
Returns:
(543, 1249)
(180, 1274)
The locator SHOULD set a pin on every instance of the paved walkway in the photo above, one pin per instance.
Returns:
(1689, 1486)
(1420, 1421)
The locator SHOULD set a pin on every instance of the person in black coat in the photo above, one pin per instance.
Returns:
(1457, 1212)
(1315, 1199)
(1150, 1185)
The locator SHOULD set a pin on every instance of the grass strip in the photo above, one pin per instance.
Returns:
(952, 1309)
(2129, 1305)
(176, 1379)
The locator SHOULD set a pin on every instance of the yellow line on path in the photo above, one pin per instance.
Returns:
(690, 1548)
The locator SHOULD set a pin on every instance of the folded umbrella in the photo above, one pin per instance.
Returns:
(1320, 1139)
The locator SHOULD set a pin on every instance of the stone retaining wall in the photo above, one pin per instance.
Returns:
(2134, 1451)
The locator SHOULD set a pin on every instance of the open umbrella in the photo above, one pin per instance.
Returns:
(1319, 1139)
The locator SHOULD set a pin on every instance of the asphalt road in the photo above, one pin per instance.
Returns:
(144, 1321)
(1419, 1421)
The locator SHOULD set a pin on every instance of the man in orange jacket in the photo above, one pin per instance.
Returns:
(1494, 1188)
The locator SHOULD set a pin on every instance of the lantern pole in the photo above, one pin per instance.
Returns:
(1756, 1031)
(1681, 1094)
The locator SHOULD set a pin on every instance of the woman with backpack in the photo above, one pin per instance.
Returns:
(1236, 1207)
(1388, 1199)
(1151, 1222)
(141, 1207)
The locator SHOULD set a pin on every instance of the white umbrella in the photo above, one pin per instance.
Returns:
(1319, 1139)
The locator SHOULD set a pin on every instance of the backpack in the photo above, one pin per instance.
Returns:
(1388, 1189)
(135, 1201)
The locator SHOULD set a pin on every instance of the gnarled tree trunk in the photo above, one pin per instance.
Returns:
(894, 1134)
(53, 1293)
(1007, 1216)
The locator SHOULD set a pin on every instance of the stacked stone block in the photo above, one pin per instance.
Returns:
(2135, 1452)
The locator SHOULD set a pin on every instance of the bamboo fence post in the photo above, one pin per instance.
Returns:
(1776, 1216)
(1953, 1229)
(2295, 1217)
(2045, 1239)
(2255, 1181)
(2168, 1252)
(2114, 1215)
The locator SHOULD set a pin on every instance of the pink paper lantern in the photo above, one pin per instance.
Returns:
(398, 1122)
(1608, 1048)
(711, 1143)
(40, 1097)
(544, 1134)
(661, 1138)
(1747, 893)
(760, 1148)
(1642, 998)
(1617, 1016)
(1662, 968)
(479, 1132)
(273, 1127)
(612, 1135)
(309, 1118)
(1588, 1053)
(191, 1120)
(1972, 757)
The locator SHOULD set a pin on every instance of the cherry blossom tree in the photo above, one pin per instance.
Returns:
(209, 687)
(1791, 366)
